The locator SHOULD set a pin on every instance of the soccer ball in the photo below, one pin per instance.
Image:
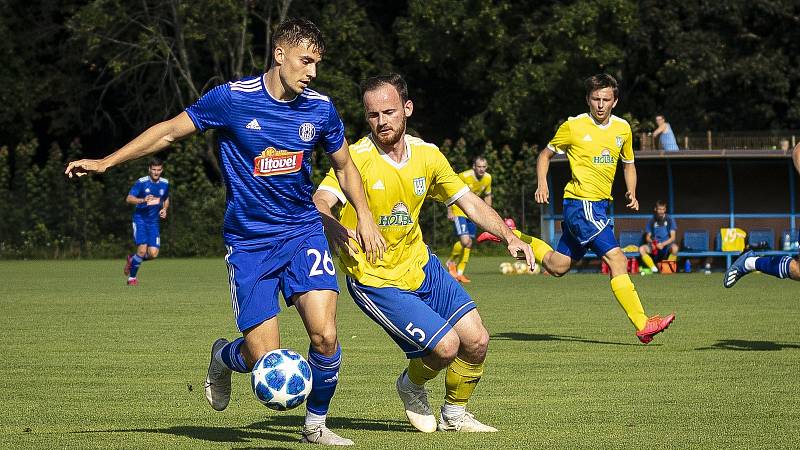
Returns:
(521, 268)
(281, 379)
(506, 268)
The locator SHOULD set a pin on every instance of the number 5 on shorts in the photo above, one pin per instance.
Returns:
(325, 261)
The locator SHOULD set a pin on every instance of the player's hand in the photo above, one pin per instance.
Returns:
(542, 195)
(162, 213)
(84, 166)
(521, 250)
(450, 216)
(632, 202)
(660, 246)
(341, 239)
(370, 238)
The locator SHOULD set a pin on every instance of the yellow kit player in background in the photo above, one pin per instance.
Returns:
(480, 183)
(594, 143)
(408, 292)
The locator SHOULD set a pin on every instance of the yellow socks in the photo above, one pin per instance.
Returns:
(419, 373)
(464, 260)
(460, 381)
(647, 259)
(672, 257)
(626, 295)
(540, 247)
(456, 252)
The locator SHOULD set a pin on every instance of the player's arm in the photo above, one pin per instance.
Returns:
(661, 128)
(341, 238)
(669, 241)
(796, 157)
(369, 236)
(630, 185)
(133, 200)
(487, 218)
(542, 194)
(488, 199)
(153, 140)
(164, 207)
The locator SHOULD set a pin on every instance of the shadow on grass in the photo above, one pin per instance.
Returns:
(550, 337)
(743, 345)
(278, 428)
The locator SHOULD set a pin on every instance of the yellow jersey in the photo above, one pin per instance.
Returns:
(593, 151)
(481, 188)
(395, 193)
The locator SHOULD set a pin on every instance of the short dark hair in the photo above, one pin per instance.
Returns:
(393, 79)
(600, 81)
(661, 204)
(155, 162)
(296, 30)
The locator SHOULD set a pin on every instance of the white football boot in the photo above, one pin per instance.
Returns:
(321, 434)
(418, 410)
(218, 379)
(466, 423)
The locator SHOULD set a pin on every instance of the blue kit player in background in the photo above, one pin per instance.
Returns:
(150, 194)
(660, 235)
(268, 127)
(777, 266)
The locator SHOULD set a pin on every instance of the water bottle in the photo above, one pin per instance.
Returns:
(707, 269)
(687, 266)
(787, 242)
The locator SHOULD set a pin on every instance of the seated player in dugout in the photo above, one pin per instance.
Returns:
(659, 238)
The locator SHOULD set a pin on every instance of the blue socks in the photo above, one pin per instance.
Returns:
(777, 266)
(325, 373)
(136, 261)
(231, 356)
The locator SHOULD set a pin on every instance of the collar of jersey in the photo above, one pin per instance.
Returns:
(602, 127)
(388, 159)
(270, 97)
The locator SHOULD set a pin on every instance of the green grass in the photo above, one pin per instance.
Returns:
(90, 363)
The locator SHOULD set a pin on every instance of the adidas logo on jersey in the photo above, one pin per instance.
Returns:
(253, 125)
(378, 186)
(587, 138)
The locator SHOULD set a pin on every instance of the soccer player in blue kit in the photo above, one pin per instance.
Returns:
(150, 194)
(268, 127)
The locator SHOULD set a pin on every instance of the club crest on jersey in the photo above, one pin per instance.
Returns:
(419, 186)
(307, 131)
(276, 162)
(604, 158)
(398, 218)
(620, 141)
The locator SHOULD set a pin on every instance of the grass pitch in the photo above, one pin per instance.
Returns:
(91, 363)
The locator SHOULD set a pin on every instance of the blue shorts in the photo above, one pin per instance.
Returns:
(416, 320)
(293, 266)
(148, 233)
(586, 226)
(464, 226)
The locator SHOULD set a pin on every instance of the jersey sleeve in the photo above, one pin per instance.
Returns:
(166, 193)
(333, 134)
(446, 186)
(136, 189)
(673, 226)
(561, 141)
(212, 109)
(627, 148)
(649, 227)
(331, 184)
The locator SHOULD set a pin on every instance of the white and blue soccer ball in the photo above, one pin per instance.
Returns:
(281, 379)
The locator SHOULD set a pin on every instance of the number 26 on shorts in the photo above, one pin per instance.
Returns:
(320, 262)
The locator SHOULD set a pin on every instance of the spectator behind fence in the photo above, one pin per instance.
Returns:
(666, 138)
(785, 145)
(659, 238)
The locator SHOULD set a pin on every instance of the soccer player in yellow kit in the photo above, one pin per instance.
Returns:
(480, 183)
(408, 292)
(593, 143)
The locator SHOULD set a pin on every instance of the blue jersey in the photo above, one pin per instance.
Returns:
(265, 147)
(659, 229)
(148, 212)
(667, 140)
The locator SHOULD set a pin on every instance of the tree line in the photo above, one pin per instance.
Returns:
(83, 77)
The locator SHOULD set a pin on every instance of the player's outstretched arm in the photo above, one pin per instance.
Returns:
(542, 194)
(487, 218)
(630, 184)
(152, 140)
(796, 157)
(368, 234)
(340, 237)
